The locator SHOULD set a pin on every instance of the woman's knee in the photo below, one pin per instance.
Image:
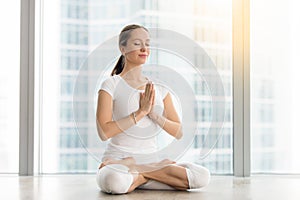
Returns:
(204, 176)
(197, 175)
(114, 179)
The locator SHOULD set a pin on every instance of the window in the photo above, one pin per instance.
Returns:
(73, 162)
(72, 59)
(78, 27)
(274, 86)
(9, 87)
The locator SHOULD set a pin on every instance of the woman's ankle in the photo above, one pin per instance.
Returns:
(138, 179)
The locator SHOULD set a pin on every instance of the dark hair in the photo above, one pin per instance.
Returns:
(123, 37)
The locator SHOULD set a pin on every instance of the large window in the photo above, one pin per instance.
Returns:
(67, 31)
(275, 84)
(9, 86)
(72, 29)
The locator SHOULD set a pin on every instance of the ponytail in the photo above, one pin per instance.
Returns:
(119, 66)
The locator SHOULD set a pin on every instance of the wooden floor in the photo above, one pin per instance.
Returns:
(83, 187)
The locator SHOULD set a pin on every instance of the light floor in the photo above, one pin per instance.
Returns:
(83, 187)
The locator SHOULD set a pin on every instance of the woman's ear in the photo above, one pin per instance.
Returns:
(122, 49)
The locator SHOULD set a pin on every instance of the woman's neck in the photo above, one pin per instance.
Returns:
(132, 72)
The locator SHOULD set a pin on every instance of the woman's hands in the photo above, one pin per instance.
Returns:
(147, 99)
(170, 123)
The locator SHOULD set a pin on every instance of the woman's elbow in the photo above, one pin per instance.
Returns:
(101, 133)
(103, 137)
(179, 134)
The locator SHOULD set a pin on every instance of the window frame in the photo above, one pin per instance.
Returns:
(241, 87)
(27, 66)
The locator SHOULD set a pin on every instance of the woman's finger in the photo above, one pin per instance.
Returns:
(141, 97)
(152, 92)
(153, 97)
(147, 90)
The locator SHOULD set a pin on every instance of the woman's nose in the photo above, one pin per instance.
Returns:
(143, 49)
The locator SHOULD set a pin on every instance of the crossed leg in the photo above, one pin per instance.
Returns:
(172, 175)
(166, 172)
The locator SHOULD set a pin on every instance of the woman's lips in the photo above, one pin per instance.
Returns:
(143, 55)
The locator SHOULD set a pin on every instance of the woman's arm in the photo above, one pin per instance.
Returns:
(170, 122)
(105, 126)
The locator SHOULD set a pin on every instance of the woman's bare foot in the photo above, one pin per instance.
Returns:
(138, 179)
(129, 162)
(162, 163)
(166, 162)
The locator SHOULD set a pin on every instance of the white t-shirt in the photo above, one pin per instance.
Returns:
(140, 138)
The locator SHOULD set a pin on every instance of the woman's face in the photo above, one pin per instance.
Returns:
(137, 49)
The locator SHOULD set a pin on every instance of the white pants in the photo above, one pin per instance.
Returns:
(116, 179)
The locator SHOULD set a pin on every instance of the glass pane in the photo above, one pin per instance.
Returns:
(78, 27)
(274, 86)
(9, 87)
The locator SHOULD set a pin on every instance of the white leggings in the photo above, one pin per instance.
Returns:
(116, 179)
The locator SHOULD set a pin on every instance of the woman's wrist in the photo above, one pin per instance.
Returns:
(160, 120)
(139, 114)
(152, 115)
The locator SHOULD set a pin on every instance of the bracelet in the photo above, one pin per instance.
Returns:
(134, 117)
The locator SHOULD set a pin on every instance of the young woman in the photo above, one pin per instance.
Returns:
(127, 114)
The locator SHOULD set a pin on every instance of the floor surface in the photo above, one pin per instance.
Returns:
(83, 187)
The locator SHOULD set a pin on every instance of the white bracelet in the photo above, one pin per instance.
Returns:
(134, 117)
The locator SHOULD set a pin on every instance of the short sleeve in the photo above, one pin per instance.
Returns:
(108, 86)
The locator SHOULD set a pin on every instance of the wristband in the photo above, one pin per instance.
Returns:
(134, 117)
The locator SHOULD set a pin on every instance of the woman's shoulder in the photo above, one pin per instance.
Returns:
(111, 79)
(109, 84)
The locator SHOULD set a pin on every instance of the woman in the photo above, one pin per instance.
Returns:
(128, 114)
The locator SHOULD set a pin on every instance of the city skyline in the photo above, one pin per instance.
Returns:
(73, 29)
